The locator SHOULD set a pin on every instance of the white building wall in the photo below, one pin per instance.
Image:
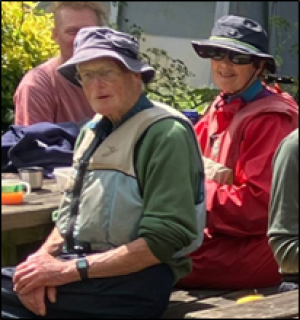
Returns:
(172, 26)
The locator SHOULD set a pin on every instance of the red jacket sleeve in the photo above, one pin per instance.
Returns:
(242, 209)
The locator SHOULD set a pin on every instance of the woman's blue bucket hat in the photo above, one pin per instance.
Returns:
(238, 34)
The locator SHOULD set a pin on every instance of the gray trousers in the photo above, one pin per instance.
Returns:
(140, 295)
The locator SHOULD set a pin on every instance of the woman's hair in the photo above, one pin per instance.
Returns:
(94, 6)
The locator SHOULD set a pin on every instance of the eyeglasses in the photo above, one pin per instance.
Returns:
(107, 76)
(219, 54)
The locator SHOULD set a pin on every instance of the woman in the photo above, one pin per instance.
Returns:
(238, 137)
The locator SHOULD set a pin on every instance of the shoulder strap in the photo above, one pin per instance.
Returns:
(81, 170)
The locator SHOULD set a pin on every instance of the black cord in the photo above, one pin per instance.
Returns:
(279, 79)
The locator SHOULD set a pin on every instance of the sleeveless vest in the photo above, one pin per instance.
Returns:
(111, 205)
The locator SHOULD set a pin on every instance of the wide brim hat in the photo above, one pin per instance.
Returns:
(238, 34)
(103, 42)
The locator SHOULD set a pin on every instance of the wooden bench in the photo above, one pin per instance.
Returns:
(204, 304)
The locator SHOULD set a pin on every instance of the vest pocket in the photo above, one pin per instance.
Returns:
(110, 209)
(126, 211)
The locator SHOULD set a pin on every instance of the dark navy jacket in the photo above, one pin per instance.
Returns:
(43, 144)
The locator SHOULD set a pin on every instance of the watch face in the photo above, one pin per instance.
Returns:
(82, 264)
(82, 267)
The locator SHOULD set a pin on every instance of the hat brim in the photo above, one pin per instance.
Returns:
(68, 69)
(237, 47)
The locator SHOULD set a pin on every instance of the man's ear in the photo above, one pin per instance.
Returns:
(138, 77)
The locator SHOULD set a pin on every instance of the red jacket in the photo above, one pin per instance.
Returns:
(239, 141)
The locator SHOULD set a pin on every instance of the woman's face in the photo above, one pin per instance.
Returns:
(230, 77)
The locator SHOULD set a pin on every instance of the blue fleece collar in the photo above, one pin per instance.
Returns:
(250, 93)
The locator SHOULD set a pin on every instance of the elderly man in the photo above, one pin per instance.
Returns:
(133, 208)
(43, 95)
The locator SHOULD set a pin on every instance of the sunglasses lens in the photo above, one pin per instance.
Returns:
(219, 54)
(212, 53)
(238, 58)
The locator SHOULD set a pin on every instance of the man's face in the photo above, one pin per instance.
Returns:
(69, 21)
(111, 89)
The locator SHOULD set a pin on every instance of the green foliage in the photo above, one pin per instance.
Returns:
(170, 84)
(26, 42)
(284, 31)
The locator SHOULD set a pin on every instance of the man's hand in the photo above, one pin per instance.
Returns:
(35, 299)
(43, 270)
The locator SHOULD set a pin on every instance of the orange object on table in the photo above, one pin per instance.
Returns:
(12, 197)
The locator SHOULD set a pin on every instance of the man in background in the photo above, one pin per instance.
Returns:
(44, 95)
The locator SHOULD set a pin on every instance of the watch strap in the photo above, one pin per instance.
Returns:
(82, 266)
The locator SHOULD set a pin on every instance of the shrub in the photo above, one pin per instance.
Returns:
(170, 83)
(26, 42)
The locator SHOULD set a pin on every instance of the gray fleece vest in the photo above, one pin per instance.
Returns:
(111, 206)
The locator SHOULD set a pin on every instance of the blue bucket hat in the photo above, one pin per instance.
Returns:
(103, 42)
(238, 34)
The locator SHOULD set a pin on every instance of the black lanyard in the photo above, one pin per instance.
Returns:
(102, 130)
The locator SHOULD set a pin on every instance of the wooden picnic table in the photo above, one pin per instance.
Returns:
(31, 222)
(25, 226)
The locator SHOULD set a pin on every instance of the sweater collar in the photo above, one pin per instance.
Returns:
(142, 104)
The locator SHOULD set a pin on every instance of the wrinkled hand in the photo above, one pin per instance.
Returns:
(39, 270)
(35, 299)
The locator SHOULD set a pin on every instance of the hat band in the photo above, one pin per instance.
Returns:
(236, 41)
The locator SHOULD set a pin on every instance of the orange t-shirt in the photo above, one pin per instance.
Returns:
(45, 95)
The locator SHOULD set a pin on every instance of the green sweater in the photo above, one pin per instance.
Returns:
(168, 172)
(283, 229)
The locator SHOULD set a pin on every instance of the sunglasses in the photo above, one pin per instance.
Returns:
(219, 54)
(87, 76)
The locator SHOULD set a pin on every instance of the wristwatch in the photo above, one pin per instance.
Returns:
(82, 266)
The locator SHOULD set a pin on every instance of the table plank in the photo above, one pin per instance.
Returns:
(277, 306)
(183, 302)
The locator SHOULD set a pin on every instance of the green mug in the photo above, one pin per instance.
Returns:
(12, 191)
